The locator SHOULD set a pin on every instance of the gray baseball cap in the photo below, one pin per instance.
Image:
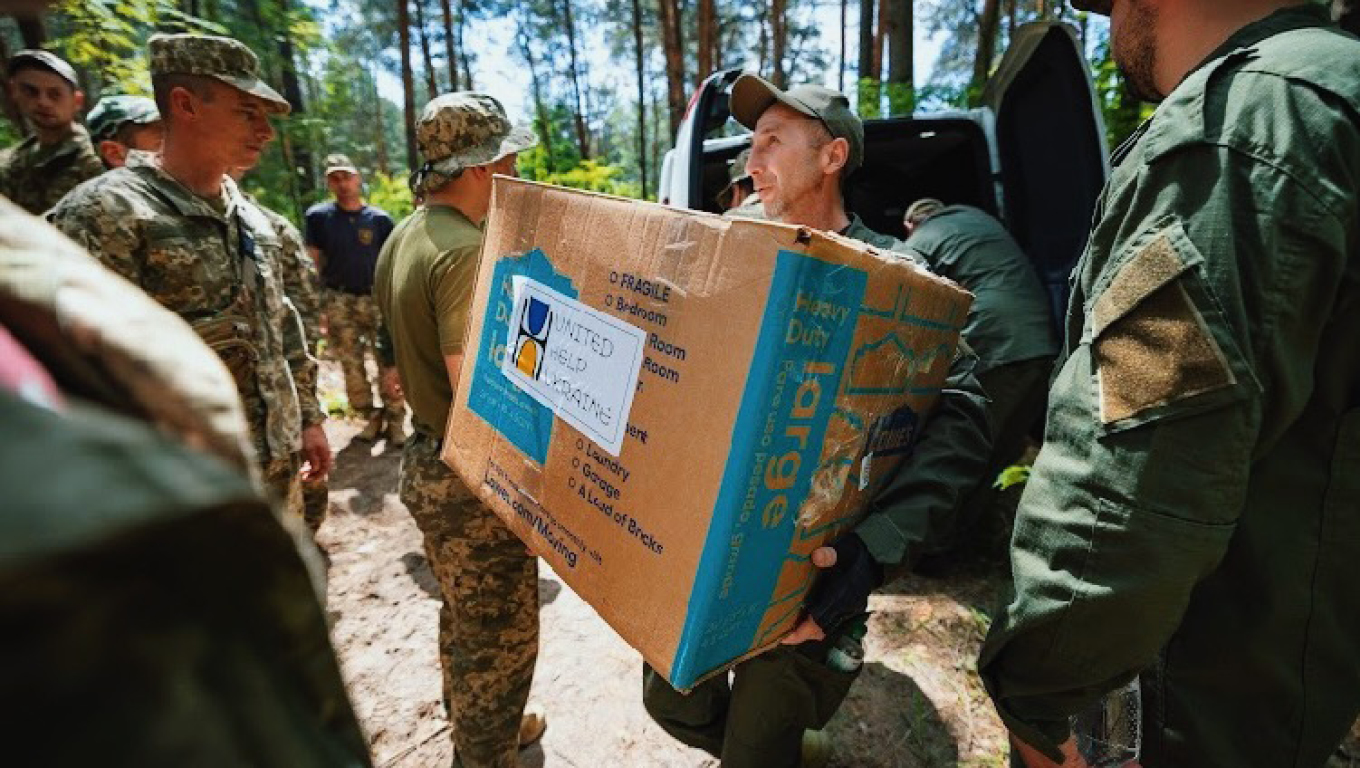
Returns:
(221, 58)
(113, 112)
(36, 57)
(466, 129)
(339, 162)
(752, 95)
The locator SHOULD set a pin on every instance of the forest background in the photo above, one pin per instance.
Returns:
(605, 83)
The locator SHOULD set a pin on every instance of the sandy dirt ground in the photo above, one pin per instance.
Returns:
(918, 703)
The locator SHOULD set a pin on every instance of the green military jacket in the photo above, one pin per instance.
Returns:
(1010, 320)
(36, 176)
(123, 587)
(216, 265)
(915, 508)
(1194, 514)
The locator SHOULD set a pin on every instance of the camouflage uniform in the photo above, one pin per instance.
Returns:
(488, 629)
(300, 286)
(122, 586)
(36, 176)
(352, 327)
(217, 267)
(112, 345)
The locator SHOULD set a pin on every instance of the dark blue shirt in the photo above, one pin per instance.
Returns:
(349, 242)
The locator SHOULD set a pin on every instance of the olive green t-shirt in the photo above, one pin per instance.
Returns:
(423, 284)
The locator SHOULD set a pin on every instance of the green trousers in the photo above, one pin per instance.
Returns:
(757, 718)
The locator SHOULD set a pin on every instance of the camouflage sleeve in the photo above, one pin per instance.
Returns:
(302, 365)
(299, 278)
(101, 223)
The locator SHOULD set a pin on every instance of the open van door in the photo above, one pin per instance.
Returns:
(1051, 146)
(683, 184)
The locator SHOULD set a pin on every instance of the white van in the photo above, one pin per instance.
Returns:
(1034, 155)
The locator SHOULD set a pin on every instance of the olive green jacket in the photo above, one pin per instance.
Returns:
(1195, 512)
(136, 632)
(1010, 320)
(914, 511)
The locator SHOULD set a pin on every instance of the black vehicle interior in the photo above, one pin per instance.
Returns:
(906, 159)
(1047, 136)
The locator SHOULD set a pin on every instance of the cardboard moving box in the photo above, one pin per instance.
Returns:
(675, 409)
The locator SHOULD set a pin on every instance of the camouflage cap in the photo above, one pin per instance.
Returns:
(921, 210)
(737, 172)
(220, 58)
(338, 162)
(113, 112)
(36, 57)
(466, 129)
(752, 95)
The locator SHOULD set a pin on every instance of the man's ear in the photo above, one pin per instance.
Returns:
(114, 153)
(80, 99)
(835, 154)
(182, 103)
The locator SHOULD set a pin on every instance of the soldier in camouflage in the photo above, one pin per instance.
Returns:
(488, 624)
(58, 156)
(123, 124)
(301, 287)
(343, 237)
(180, 228)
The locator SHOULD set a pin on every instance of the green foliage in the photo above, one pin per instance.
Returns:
(392, 194)
(1017, 474)
(590, 175)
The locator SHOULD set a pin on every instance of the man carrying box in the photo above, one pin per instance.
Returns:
(426, 272)
(806, 142)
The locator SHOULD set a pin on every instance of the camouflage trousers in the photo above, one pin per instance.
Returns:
(352, 329)
(284, 485)
(488, 622)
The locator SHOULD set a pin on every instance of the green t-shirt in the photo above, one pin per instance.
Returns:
(423, 284)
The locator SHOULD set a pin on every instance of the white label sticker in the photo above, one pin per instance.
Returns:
(578, 361)
(864, 471)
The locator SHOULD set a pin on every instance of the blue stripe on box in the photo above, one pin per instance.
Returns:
(796, 370)
(509, 410)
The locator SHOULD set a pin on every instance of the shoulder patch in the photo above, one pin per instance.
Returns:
(1153, 347)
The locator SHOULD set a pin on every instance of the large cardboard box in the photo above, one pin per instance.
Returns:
(674, 409)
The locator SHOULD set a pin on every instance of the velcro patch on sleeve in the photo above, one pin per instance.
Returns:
(1152, 345)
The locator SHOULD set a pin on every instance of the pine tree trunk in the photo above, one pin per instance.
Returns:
(840, 73)
(582, 133)
(408, 81)
(540, 108)
(462, 48)
(431, 81)
(870, 62)
(380, 126)
(901, 71)
(779, 40)
(640, 61)
(32, 31)
(10, 108)
(986, 43)
(292, 91)
(672, 41)
(707, 44)
(450, 50)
